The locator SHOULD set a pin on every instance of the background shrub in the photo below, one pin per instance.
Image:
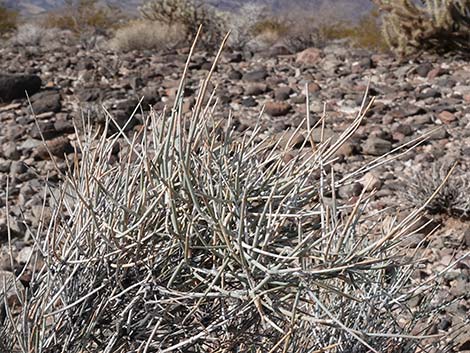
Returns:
(144, 34)
(190, 14)
(366, 33)
(8, 19)
(433, 25)
(82, 16)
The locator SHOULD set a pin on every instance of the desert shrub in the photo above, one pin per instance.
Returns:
(433, 25)
(201, 240)
(187, 13)
(8, 19)
(366, 33)
(144, 34)
(246, 23)
(29, 34)
(302, 32)
(82, 16)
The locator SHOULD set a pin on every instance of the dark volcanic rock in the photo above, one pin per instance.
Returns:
(256, 75)
(47, 101)
(16, 86)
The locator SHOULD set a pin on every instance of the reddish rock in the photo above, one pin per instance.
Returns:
(309, 57)
(446, 117)
(277, 108)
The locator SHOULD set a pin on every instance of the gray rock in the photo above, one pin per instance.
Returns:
(282, 93)
(47, 101)
(256, 75)
(376, 146)
(10, 151)
(256, 89)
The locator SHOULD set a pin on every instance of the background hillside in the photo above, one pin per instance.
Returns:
(349, 8)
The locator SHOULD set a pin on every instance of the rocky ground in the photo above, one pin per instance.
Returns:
(412, 98)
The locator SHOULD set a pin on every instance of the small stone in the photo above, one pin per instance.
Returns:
(289, 139)
(235, 75)
(256, 89)
(256, 75)
(47, 101)
(16, 228)
(309, 57)
(249, 102)
(17, 168)
(57, 147)
(375, 146)
(277, 108)
(424, 69)
(11, 152)
(347, 191)
(446, 117)
(313, 87)
(282, 93)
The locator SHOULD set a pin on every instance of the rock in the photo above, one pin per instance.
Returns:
(423, 69)
(347, 191)
(256, 89)
(57, 147)
(16, 86)
(277, 108)
(47, 101)
(466, 238)
(235, 75)
(256, 75)
(89, 94)
(309, 57)
(15, 227)
(289, 139)
(446, 117)
(282, 93)
(376, 146)
(4, 166)
(320, 135)
(43, 129)
(249, 102)
(10, 151)
(17, 168)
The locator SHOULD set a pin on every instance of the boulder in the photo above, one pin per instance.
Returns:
(15, 86)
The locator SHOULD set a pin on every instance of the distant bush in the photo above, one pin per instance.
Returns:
(187, 13)
(144, 34)
(432, 25)
(29, 34)
(299, 31)
(366, 33)
(8, 19)
(246, 24)
(81, 16)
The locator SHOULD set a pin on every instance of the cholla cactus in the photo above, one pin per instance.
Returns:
(436, 25)
(452, 200)
(189, 13)
(201, 240)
